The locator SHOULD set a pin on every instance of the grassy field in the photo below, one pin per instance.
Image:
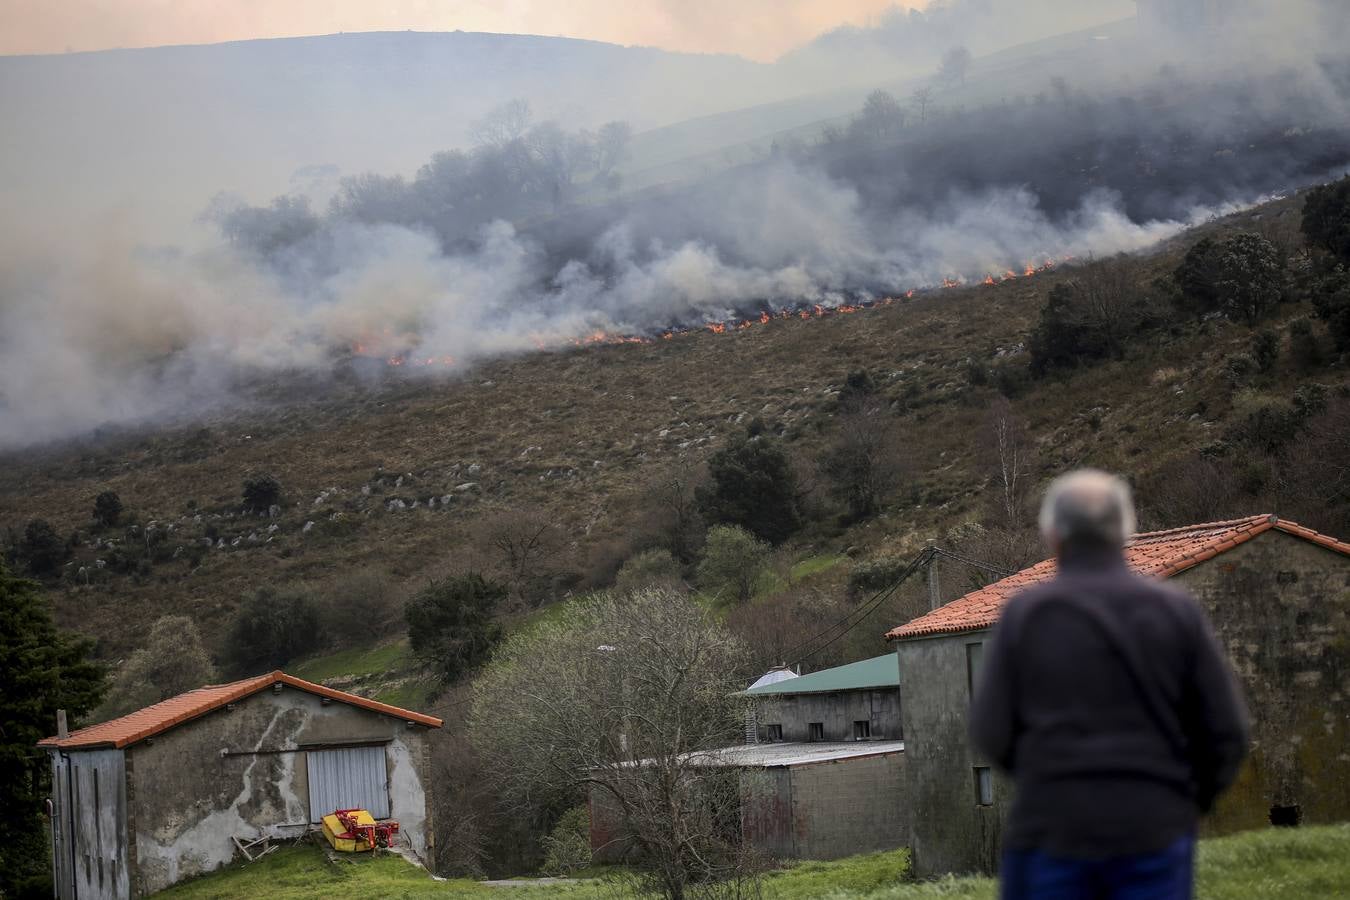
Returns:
(1297, 864)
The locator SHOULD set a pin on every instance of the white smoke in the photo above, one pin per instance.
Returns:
(102, 331)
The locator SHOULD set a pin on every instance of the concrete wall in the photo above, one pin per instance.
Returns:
(1281, 606)
(836, 710)
(950, 832)
(89, 824)
(241, 772)
(849, 806)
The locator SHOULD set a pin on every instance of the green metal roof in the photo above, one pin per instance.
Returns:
(883, 671)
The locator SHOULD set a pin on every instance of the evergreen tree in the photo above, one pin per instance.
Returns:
(451, 625)
(42, 670)
(752, 484)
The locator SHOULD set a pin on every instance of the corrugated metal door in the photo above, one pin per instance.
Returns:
(350, 778)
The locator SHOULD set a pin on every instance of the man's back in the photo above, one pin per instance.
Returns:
(1107, 697)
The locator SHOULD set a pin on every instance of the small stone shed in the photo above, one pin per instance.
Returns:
(161, 794)
(797, 801)
(1278, 595)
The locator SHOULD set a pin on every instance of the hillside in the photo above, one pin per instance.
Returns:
(579, 435)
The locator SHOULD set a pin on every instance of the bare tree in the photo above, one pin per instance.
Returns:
(172, 661)
(882, 116)
(1011, 460)
(921, 99)
(672, 509)
(955, 66)
(865, 463)
(502, 125)
(629, 699)
(1107, 302)
(526, 545)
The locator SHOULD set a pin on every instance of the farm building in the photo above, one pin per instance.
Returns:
(821, 772)
(164, 793)
(1278, 595)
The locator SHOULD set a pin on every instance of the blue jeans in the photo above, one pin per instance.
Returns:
(1165, 875)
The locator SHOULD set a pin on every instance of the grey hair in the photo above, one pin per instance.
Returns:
(1087, 506)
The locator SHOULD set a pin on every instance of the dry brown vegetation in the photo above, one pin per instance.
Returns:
(578, 439)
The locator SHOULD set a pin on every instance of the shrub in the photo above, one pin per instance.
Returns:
(734, 561)
(261, 492)
(1239, 369)
(650, 568)
(752, 485)
(1266, 349)
(107, 508)
(1251, 276)
(858, 388)
(1242, 276)
(451, 626)
(876, 574)
(270, 629)
(567, 848)
(1268, 424)
(1304, 346)
(42, 548)
(172, 661)
(1331, 299)
(1326, 219)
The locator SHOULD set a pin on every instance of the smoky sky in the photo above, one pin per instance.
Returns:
(759, 29)
(101, 324)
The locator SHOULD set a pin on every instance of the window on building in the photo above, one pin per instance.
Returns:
(974, 660)
(984, 786)
(816, 730)
(862, 730)
(773, 732)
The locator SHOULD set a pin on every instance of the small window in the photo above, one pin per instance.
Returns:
(984, 786)
(862, 730)
(974, 660)
(816, 731)
(1286, 816)
(773, 732)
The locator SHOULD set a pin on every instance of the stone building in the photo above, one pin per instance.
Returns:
(1279, 597)
(856, 702)
(822, 770)
(159, 795)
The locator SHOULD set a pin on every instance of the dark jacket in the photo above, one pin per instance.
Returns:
(1109, 700)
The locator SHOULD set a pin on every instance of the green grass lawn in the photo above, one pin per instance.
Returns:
(1310, 863)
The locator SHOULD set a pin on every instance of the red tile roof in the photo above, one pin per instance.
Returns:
(162, 716)
(1160, 554)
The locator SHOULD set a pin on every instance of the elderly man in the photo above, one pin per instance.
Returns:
(1107, 698)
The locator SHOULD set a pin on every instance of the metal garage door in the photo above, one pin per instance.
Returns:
(351, 778)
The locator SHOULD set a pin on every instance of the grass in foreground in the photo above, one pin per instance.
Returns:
(1310, 863)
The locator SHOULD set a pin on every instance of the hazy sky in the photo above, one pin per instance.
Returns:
(760, 29)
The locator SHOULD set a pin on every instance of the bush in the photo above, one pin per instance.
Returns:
(42, 548)
(1331, 299)
(1062, 337)
(1251, 276)
(1241, 276)
(752, 485)
(733, 562)
(270, 629)
(451, 626)
(1239, 369)
(1266, 349)
(261, 492)
(1304, 346)
(1326, 219)
(107, 508)
(876, 574)
(858, 388)
(650, 568)
(567, 848)
(172, 661)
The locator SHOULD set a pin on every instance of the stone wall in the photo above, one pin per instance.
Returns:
(1281, 607)
(241, 772)
(950, 831)
(849, 806)
(836, 711)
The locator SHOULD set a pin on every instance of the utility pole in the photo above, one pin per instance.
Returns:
(934, 589)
